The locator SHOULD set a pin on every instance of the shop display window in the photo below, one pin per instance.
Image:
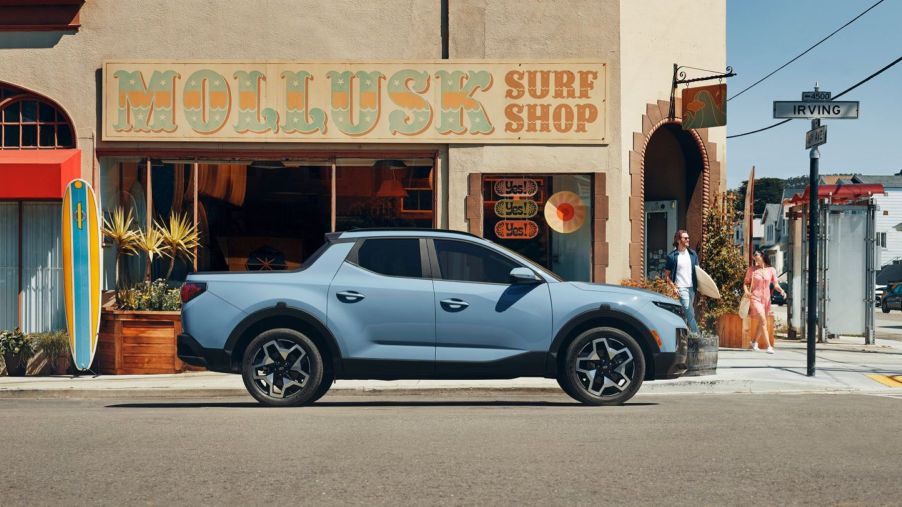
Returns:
(383, 193)
(544, 217)
(261, 215)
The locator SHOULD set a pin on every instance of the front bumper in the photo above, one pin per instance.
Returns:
(670, 365)
(192, 353)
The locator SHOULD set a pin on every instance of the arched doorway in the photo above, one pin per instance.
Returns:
(676, 173)
(673, 193)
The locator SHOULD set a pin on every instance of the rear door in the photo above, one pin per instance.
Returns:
(486, 326)
(380, 307)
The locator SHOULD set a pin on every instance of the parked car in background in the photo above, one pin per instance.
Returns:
(393, 304)
(892, 298)
(879, 291)
(776, 298)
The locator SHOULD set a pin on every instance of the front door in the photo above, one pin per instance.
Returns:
(660, 227)
(486, 326)
(380, 308)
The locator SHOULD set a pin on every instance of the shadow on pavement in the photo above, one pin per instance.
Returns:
(364, 404)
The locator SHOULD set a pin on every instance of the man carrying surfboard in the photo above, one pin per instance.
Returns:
(679, 270)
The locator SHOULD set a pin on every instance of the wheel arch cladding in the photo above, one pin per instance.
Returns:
(602, 318)
(283, 317)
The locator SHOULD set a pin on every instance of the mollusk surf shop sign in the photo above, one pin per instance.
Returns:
(438, 101)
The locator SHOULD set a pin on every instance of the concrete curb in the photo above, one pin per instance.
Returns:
(713, 386)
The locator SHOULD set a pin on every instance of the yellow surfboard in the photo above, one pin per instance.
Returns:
(81, 244)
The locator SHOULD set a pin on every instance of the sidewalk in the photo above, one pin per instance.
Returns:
(843, 365)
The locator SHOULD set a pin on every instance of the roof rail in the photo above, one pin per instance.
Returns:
(409, 229)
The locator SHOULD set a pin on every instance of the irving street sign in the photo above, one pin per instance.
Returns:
(816, 109)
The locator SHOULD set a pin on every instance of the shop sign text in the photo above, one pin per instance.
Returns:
(430, 101)
(516, 229)
(516, 187)
(516, 208)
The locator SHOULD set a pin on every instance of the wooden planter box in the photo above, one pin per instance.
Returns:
(138, 342)
(731, 333)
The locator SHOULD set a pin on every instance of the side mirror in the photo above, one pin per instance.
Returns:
(524, 275)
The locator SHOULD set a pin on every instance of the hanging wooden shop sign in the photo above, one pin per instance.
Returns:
(705, 106)
(516, 187)
(516, 208)
(516, 229)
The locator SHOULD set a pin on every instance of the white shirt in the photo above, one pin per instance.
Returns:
(684, 269)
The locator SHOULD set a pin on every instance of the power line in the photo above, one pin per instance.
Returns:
(847, 90)
(806, 51)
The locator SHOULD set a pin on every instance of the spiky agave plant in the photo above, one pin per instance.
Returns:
(117, 227)
(180, 238)
(151, 243)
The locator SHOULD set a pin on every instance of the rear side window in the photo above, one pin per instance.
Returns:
(466, 262)
(391, 257)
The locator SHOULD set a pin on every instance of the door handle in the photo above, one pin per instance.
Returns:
(454, 304)
(349, 296)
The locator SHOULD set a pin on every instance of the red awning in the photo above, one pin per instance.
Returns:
(840, 193)
(37, 174)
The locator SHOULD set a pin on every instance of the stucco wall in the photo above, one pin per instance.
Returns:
(538, 29)
(65, 67)
(655, 34)
(639, 40)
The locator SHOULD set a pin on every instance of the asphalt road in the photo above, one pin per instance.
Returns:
(502, 449)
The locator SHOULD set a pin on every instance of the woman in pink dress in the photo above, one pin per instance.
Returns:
(758, 282)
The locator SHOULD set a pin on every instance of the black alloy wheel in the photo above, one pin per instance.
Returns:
(603, 366)
(282, 367)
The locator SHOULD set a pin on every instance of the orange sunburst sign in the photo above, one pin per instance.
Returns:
(565, 212)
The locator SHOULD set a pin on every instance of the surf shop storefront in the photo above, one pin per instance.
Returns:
(38, 157)
(265, 158)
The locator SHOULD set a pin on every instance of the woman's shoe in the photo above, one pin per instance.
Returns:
(770, 350)
(755, 346)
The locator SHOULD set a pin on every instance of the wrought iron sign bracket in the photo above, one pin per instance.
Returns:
(679, 77)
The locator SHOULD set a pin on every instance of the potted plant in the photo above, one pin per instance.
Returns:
(723, 260)
(16, 349)
(117, 228)
(54, 346)
(138, 333)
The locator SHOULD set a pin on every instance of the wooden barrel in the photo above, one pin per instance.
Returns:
(735, 333)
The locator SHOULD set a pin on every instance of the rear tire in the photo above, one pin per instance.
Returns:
(282, 368)
(602, 366)
(885, 309)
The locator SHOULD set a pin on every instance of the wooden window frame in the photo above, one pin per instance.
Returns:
(59, 119)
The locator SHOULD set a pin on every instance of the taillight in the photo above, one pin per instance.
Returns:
(191, 290)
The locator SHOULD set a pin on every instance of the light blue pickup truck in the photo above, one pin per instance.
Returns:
(394, 304)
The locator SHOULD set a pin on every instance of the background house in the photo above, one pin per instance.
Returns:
(889, 216)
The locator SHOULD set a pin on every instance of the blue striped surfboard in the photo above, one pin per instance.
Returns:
(81, 244)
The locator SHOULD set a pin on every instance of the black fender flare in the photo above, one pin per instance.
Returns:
(283, 310)
(605, 312)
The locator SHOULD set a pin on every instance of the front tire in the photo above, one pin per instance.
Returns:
(885, 309)
(282, 367)
(603, 366)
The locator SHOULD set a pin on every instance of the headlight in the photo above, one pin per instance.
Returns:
(672, 308)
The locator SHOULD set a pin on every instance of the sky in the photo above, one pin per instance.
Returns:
(763, 35)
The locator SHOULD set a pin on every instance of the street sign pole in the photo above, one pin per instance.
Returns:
(815, 156)
(814, 105)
